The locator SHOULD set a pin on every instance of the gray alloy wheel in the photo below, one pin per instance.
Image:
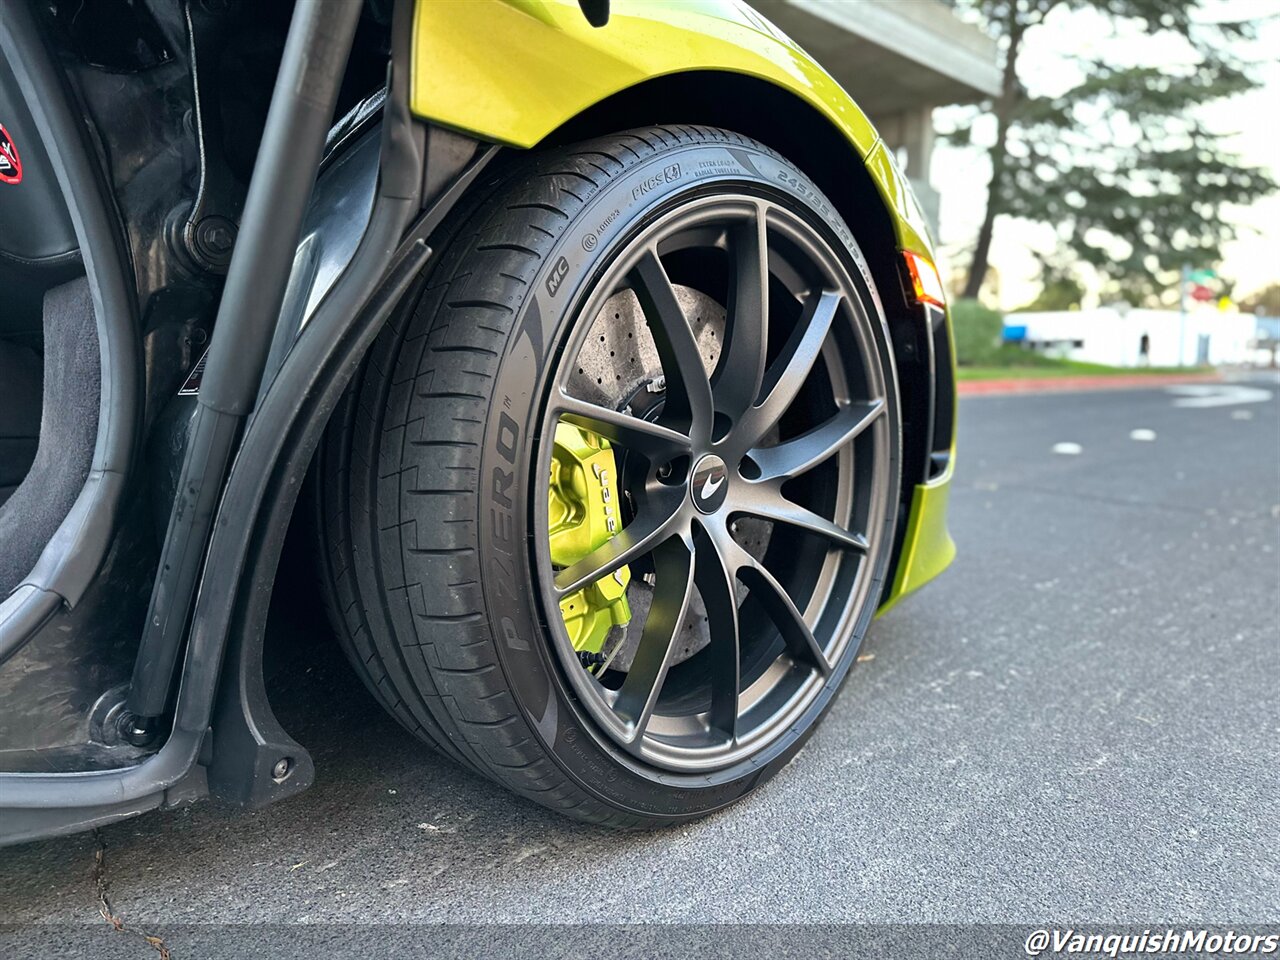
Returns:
(794, 435)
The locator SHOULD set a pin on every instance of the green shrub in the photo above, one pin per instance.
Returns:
(978, 331)
(1012, 355)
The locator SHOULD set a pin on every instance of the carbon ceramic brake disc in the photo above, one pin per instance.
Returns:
(618, 360)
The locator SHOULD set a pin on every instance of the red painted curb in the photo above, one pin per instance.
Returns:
(1069, 384)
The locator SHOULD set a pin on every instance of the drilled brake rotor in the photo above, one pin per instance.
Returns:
(619, 361)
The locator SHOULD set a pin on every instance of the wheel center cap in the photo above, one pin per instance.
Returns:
(709, 483)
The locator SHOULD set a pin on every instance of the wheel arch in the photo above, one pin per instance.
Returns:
(800, 131)
(788, 123)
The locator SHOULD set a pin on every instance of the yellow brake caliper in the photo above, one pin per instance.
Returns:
(584, 513)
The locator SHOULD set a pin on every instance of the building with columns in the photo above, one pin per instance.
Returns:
(899, 59)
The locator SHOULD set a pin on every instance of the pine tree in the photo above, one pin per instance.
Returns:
(1119, 164)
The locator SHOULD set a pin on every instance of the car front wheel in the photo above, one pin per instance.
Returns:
(608, 514)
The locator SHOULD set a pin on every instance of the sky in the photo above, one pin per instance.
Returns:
(1250, 124)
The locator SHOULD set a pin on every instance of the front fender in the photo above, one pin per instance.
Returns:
(515, 70)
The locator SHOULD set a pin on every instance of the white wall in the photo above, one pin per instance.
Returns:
(1114, 337)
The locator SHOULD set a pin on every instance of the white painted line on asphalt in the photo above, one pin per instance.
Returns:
(1068, 449)
(1216, 394)
(1142, 434)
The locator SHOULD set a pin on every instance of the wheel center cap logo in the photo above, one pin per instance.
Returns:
(708, 485)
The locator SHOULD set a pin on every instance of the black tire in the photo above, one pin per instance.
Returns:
(427, 474)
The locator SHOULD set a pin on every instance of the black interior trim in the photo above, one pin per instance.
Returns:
(71, 559)
(317, 370)
(302, 104)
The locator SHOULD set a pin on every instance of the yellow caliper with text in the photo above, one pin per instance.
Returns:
(584, 514)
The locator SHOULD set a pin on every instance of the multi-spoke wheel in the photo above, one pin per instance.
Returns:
(773, 414)
(615, 504)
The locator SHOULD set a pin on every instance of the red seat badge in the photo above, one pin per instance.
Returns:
(10, 162)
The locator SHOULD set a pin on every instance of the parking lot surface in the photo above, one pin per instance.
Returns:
(1078, 721)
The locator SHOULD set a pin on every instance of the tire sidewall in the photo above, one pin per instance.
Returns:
(509, 580)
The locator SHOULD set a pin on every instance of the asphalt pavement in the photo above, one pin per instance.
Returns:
(1079, 720)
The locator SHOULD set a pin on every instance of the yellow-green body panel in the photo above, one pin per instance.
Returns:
(513, 71)
(908, 219)
(927, 547)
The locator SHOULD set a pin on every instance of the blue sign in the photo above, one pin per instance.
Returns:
(1014, 334)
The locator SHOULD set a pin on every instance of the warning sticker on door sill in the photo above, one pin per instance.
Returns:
(191, 386)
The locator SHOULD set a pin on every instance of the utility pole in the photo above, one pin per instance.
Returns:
(1182, 312)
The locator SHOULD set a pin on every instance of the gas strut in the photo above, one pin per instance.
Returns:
(302, 107)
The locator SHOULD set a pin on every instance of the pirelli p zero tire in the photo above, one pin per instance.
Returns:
(688, 296)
